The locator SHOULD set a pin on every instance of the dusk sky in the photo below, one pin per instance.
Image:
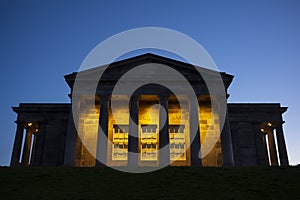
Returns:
(256, 41)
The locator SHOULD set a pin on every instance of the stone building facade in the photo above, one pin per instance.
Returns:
(51, 135)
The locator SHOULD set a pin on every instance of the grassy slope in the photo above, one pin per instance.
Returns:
(168, 183)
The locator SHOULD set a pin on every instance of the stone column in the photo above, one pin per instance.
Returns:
(195, 133)
(281, 145)
(33, 149)
(27, 147)
(15, 157)
(71, 138)
(39, 144)
(266, 149)
(101, 153)
(261, 154)
(164, 153)
(133, 151)
(226, 142)
(272, 148)
(72, 135)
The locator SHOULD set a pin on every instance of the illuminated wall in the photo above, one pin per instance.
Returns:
(210, 127)
(148, 133)
(179, 133)
(118, 127)
(88, 130)
(119, 142)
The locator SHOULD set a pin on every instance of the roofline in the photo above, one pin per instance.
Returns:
(150, 56)
(147, 55)
(255, 106)
(30, 107)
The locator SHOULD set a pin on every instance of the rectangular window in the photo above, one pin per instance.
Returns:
(149, 142)
(177, 142)
(120, 142)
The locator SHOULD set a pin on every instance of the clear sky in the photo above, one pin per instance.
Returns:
(256, 41)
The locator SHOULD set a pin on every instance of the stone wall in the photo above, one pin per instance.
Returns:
(149, 115)
(86, 146)
(180, 116)
(243, 140)
(118, 116)
(209, 133)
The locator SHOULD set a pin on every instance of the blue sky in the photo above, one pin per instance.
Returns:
(256, 41)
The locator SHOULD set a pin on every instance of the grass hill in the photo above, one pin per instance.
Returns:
(168, 183)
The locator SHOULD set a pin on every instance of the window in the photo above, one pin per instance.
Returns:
(149, 142)
(120, 142)
(177, 142)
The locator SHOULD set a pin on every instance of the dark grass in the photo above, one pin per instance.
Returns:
(168, 183)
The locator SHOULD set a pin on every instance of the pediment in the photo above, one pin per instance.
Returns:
(114, 71)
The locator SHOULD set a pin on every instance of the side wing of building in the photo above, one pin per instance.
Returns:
(257, 134)
(40, 135)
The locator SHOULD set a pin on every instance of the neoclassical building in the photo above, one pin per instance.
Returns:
(122, 130)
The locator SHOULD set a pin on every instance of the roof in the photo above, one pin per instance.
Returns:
(148, 58)
(39, 107)
(256, 107)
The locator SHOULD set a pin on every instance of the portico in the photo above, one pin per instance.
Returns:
(156, 121)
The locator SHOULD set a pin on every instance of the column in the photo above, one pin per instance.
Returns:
(101, 153)
(226, 142)
(266, 149)
(281, 145)
(164, 153)
(39, 144)
(71, 138)
(261, 154)
(33, 149)
(27, 147)
(272, 148)
(133, 153)
(194, 133)
(15, 157)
